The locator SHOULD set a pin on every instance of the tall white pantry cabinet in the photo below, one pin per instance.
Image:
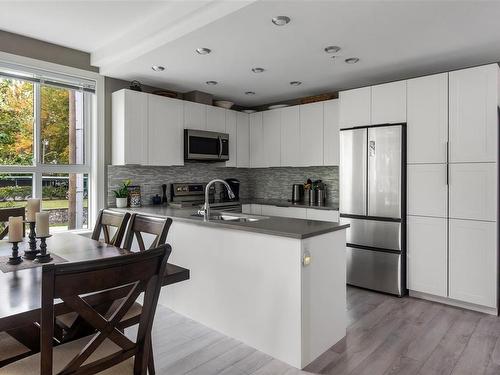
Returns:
(452, 136)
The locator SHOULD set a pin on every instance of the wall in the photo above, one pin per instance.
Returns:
(270, 183)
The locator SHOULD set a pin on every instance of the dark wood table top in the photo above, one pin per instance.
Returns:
(20, 290)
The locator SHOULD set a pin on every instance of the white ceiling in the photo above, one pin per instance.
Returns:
(393, 39)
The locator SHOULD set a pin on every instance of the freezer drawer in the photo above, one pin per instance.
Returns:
(374, 270)
(373, 233)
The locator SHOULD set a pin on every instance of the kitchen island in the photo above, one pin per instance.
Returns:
(277, 284)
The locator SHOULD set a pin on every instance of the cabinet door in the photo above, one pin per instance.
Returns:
(257, 159)
(165, 133)
(355, 107)
(242, 140)
(322, 215)
(389, 103)
(473, 262)
(290, 137)
(231, 130)
(427, 251)
(473, 114)
(427, 190)
(195, 116)
(130, 128)
(216, 119)
(473, 191)
(272, 137)
(311, 134)
(427, 125)
(331, 134)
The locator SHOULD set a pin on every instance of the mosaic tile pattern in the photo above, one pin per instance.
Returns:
(263, 183)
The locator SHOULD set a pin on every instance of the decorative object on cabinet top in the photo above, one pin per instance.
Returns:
(223, 104)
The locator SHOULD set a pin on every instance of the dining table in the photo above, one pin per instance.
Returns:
(20, 289)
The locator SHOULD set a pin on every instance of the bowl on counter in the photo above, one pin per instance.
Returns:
(223, 104)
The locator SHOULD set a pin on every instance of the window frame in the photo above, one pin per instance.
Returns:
(94, 143)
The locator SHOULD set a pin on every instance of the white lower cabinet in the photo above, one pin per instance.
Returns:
(427, 250)
(473, 262)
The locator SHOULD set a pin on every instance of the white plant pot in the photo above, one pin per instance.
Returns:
(121, 202)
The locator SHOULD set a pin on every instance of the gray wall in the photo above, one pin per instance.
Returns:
(270, 183)
(37, 49)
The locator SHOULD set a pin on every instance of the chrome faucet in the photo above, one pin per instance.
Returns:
(206, 208)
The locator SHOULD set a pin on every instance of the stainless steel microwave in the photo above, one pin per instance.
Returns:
(205, 145)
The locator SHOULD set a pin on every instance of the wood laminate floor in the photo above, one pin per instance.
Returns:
(386, 335)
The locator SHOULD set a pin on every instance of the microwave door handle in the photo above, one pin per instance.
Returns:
(220, 146)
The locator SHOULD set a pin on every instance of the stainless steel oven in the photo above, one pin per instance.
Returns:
(205, 145)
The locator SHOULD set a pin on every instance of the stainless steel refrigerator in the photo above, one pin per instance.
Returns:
(373, 202)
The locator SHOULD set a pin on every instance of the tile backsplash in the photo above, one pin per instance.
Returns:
(270, 183)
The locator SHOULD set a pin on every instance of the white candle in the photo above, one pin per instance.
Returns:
(15, 228)
(32, 207)
(42, 224)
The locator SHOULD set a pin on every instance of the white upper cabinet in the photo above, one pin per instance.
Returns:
(195, 115)
(427, 122)
(331, 136)
(216, 119)
(355, 107)
(473, 262)
(165, 131)
(242, 140)
(129, 127)
(231, 117)
(473, 191)
(473, 114)
(290, 136)
(427, 245)
(427, 190)
(257, 156)
(389, 103)
(272, 137)
(311, 134)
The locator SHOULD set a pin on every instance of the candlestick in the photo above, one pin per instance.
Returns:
(42, 224)
(33, 251)
(15, 258)
(32, 207)
(15, 229)
(44, 256)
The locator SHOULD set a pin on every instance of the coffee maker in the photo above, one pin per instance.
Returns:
(234, 184)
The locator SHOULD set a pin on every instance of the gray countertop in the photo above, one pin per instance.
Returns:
(287, 203)
(276, 226)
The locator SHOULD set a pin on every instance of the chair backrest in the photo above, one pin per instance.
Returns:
(145, 224)
(107, 219)
(4, 218)
(140, 272)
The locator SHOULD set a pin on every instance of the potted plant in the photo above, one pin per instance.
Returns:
(121, 194)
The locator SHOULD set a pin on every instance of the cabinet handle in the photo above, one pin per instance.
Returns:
(447, 163)
(306, 258)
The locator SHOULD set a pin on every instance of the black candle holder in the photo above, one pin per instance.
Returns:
(33, 251)
(44, 256)
(15, 258)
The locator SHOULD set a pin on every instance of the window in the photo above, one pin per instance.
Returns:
(45, 121)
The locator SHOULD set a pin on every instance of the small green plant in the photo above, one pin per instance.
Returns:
(122, 191)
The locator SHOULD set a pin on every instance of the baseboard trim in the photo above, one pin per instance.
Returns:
(455, 303)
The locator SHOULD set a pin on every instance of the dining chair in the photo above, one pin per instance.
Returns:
(5, 213)
(140, 224)
(110, 219)
(108, 350)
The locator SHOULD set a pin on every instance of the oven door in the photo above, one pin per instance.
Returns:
(205, 145)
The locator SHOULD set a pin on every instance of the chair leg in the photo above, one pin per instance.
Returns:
(151, 362)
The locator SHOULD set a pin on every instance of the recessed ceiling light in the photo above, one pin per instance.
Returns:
(258, 70)
(332, 49)
(211, 82)
(203, 51)
(249, 93)
(158, 68)
(295, 83)
(352, 60)
(280, 20)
